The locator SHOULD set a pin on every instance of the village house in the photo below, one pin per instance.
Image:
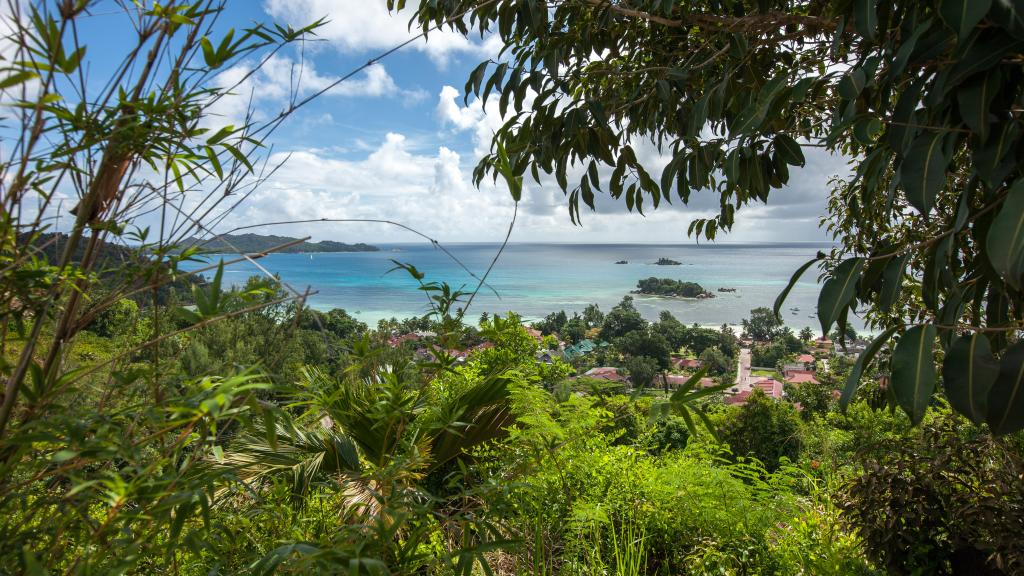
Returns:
(770, 386)
(738, 399)
(823, 345)
(685, 363)
(609, 373)
(800, 377)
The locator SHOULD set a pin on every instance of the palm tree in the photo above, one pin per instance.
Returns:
(373, 436)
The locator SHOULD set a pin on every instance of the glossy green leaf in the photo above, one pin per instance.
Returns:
(988, 51)
(913, 371)
(863, 361)
(781, 299)
(994, 161)
(963, 15)
(866, 129)
(838, 292)
(851, 85)
(892, 281)
(973, 101)
(923, 172)
(968, 373)
(789, 150)
(1005, 240)
(865, 18)
(899, 62)
(1009, 14)
(1006, 399)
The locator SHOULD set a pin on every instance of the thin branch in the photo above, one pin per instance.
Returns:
(434, 242)
(511, 225)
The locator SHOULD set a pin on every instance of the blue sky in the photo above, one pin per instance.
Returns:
(397, 142)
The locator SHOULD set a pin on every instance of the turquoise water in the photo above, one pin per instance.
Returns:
(535, 279)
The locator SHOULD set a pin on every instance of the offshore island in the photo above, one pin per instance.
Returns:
(668, 287)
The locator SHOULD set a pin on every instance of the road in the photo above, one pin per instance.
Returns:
(743, 379)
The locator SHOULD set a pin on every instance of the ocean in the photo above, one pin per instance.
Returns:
(536, 279)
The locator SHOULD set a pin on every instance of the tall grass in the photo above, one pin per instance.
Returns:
(629, 548)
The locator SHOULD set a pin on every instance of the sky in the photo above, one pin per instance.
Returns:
(397, 142)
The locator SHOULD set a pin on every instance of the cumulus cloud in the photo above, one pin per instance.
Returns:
(429, 186)
(792, 213)
(425, 189)
(355, 26)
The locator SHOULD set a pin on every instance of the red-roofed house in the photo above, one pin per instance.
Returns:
(771, 387)
(797, 377)
(738, 399)
(676, 380)
(686, 363)
(606, 373)
(397, 340)
(536, 334)
(790, 371)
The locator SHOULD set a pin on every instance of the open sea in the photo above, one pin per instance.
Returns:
(536, 279)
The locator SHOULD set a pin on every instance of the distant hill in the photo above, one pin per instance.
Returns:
(112, 260)
(258, 243)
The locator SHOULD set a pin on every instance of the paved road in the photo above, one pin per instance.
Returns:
(743, 379)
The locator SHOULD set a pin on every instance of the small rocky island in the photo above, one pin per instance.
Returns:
(622, 262)
(726, 289)
(671, 288)
(667, 262)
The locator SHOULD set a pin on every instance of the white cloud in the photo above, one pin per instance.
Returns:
(281, 78)
(430, 188)
(792, 213)
(281, 75)
(482, 121)
(355, 26)
(395, 181)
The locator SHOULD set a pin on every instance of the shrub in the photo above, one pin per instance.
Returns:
(764, 429)
(669, 434)
(119, 319)
(950, 501)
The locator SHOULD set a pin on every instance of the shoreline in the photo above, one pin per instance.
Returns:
(707, 296)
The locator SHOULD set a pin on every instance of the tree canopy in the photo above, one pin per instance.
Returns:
(922, 97)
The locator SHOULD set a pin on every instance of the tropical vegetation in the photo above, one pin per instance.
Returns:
(670, 287)
(162, 421)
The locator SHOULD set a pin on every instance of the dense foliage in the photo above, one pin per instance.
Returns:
(669, 287)
(158, 422)
(922, 97)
